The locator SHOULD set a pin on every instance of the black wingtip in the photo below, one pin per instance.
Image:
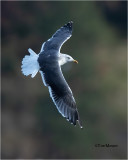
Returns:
(81, 127)
(79, 121)
(69, 24)
(80, 124)
(73, 117)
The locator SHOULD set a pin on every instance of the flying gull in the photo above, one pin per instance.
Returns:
(48, 62)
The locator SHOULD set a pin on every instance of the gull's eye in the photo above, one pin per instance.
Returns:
(68, 57)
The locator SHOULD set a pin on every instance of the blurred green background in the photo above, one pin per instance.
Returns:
(31, 124)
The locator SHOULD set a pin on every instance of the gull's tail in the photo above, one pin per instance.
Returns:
(30, 64)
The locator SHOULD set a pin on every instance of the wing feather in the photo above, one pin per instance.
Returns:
(61, 94)
(58, 38)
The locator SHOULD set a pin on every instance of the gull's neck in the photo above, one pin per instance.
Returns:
(62, 59)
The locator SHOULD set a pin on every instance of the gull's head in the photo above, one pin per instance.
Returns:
(65, 58)
(70, 59)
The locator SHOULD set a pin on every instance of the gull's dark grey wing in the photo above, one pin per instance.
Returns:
(58, 38)
(60, 92)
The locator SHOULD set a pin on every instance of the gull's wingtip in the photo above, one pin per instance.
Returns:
(69, 24)
(81, 127)
(79, 122)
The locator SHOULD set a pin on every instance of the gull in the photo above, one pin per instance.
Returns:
(48, 62)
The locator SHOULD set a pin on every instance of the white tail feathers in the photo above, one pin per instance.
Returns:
(30, 64)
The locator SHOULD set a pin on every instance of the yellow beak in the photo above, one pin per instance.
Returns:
(75, 61)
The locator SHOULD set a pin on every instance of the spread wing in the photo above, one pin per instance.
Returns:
(60, 93)
(58, 38)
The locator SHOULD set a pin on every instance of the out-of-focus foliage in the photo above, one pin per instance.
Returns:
(31, 125)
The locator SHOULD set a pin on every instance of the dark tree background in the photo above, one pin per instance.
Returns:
(31, 125)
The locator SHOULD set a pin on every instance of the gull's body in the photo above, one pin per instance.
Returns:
(48, 62)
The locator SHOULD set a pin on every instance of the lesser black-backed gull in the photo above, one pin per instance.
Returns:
(48, 62)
